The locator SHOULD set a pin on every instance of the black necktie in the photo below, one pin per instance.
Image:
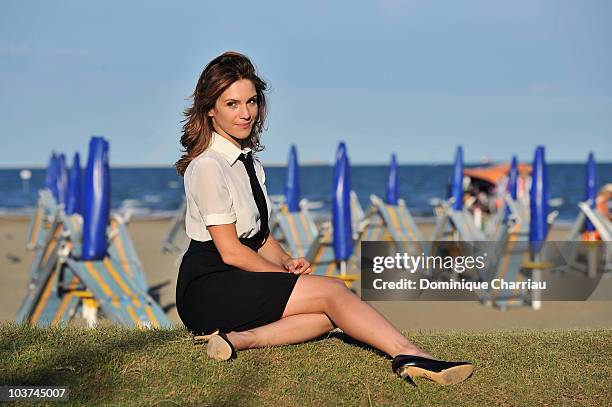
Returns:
(260, 198)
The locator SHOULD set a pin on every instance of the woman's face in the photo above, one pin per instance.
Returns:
(235, 111)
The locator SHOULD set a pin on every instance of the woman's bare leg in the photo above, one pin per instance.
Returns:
(288, 330)
(318, 294)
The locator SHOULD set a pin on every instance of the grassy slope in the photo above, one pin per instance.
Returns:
(117, 366)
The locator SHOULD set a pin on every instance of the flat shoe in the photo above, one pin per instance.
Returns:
(442, 372)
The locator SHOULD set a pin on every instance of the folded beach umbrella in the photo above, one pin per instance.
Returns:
(96, 200)
(73, 201)
(341, 206)
(292, 181)
(457, 180)
(392, 183)
(512, 186)
(61, 179)
(51, 175)
(539, 197)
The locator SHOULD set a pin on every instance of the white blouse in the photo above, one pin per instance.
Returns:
(219, 192)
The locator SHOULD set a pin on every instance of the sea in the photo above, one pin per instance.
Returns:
(156, 192)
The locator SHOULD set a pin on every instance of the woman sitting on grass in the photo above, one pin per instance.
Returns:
(236, 283)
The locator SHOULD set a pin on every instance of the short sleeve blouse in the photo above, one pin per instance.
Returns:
(218, 191)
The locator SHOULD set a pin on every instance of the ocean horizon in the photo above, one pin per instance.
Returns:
(157, 191)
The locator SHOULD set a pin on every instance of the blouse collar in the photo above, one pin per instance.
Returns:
(229, 151)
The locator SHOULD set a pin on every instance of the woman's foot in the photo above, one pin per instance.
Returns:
(410, 366)
(219, 347)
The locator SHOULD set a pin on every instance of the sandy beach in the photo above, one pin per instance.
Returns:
(162, 269)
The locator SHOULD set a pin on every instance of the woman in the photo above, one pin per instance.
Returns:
(235, 280)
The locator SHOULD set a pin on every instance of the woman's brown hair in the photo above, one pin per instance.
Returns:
(218, 75)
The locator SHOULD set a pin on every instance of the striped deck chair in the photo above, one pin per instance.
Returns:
(399, 225)
(45, 302)
(296, 231)
(120, 299)
(323, 259)
(115, 284)
(176, 240)
(500, 224)
(602, 225)
(513, 261)
(358, 216)
(46, 211)
(121, 248)
(458, 224)
(512, 250)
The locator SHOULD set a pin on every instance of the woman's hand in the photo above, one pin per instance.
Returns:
(298, 266)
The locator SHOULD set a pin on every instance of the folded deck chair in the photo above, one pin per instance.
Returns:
(44, 303)
(121, 300)
(121, 247)
(322, 257)
(358, 216)
(399, 225)
(46, 210)
(117, 283)
(602, 225)
(458, 224)
(500, 223)
(176, 240)
(512, 260)
(60, 282)
(296, 231)
(512, 252)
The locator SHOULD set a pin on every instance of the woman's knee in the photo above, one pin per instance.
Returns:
(335, 290)
(314, 294)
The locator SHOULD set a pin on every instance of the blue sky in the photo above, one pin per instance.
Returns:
(412, 77)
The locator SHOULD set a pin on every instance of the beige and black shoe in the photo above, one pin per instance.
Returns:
(408, 367)
(218, 345)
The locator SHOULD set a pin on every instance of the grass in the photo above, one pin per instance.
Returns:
(114, 366)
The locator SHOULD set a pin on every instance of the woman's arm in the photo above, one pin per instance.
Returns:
(238, 255)
(273, 252)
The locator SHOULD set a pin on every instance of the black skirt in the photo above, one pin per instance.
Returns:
(213, 295)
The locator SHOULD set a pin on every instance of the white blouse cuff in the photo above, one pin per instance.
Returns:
(220, 219)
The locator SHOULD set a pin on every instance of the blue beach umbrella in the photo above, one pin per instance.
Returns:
(51, 175)
(512, 188)
(292, 181)
(73, 201)
(96, 202)
(539, 198)
(392, 182)
(61, 179)
(590, 193)
(341, 206)
(457, 180)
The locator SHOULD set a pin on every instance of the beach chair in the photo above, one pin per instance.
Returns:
(300, 237)
(358, 216)
(512, 259)
(116, 284)
(121, 247)
(46, 211)
(398, 225)
(322, 257)
(456, 225)
(176, 240)
(603, 227)
(296, 231)
(60, 282)
(44, 303)
(511, 255)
